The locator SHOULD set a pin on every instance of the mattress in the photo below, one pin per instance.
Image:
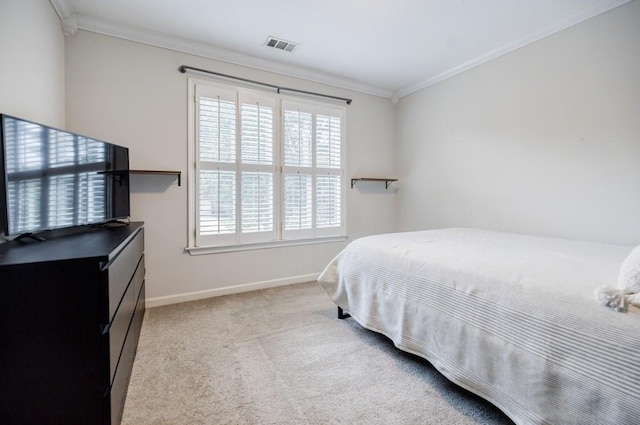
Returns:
(509, 317)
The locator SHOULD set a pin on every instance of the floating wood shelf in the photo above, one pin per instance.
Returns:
(387, 182)
(161, 172)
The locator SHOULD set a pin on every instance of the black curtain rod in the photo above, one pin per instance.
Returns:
(184, 68)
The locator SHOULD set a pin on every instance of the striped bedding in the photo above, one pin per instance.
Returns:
(509, 317)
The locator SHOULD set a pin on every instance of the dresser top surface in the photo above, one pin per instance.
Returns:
(78, 243)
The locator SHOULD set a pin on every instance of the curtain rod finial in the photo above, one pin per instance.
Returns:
(182, 69)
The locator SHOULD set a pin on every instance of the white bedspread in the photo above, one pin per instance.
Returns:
(510, 317)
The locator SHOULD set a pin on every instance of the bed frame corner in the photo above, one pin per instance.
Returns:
(342, 314)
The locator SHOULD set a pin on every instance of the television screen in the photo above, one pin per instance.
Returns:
(51, 178)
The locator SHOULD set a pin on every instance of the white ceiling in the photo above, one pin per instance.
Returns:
(384, 47)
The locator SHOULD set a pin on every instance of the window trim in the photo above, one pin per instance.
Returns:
(220, 249)
(192, 179)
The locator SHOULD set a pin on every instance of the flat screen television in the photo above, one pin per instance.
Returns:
(52, 179)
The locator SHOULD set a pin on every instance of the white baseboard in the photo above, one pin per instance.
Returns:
(227, 290)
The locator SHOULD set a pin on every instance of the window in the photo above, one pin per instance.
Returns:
(267, 170)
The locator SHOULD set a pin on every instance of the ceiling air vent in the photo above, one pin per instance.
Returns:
(278, 43)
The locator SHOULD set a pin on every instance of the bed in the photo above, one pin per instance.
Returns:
(510, 317)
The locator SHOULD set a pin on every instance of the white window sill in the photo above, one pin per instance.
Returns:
(205, 250)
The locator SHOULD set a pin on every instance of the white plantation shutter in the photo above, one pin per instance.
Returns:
(312, 167)
(217, 129)
(257, 133)
(328, 201)
(217, 207)
(266, 169)
(297, 173)
(257, 202)
(329, 182)
(328, 141)
(298, 203)
(216, 210)
(257, 168)
(236, 169)
(298, 138)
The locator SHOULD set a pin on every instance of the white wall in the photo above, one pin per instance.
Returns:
(132, 94)
(32, 64)
(544, 140)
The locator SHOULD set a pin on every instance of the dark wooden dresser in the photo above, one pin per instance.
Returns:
(71, 309)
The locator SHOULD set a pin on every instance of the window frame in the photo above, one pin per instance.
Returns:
(198, 245)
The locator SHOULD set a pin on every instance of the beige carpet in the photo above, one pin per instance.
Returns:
(280, 356)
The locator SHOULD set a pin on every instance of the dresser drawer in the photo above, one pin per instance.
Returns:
(121, 269)
(120, 324)
(118, 393)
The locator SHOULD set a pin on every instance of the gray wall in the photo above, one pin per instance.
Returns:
(32, 65)
(132, 94)
(544, 140)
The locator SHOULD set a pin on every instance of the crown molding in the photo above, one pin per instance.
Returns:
(74, 22)
(70, 25)
(62, 8)
(204, 50)
(557, 26)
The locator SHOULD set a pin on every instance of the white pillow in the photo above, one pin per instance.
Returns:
(629, 275)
